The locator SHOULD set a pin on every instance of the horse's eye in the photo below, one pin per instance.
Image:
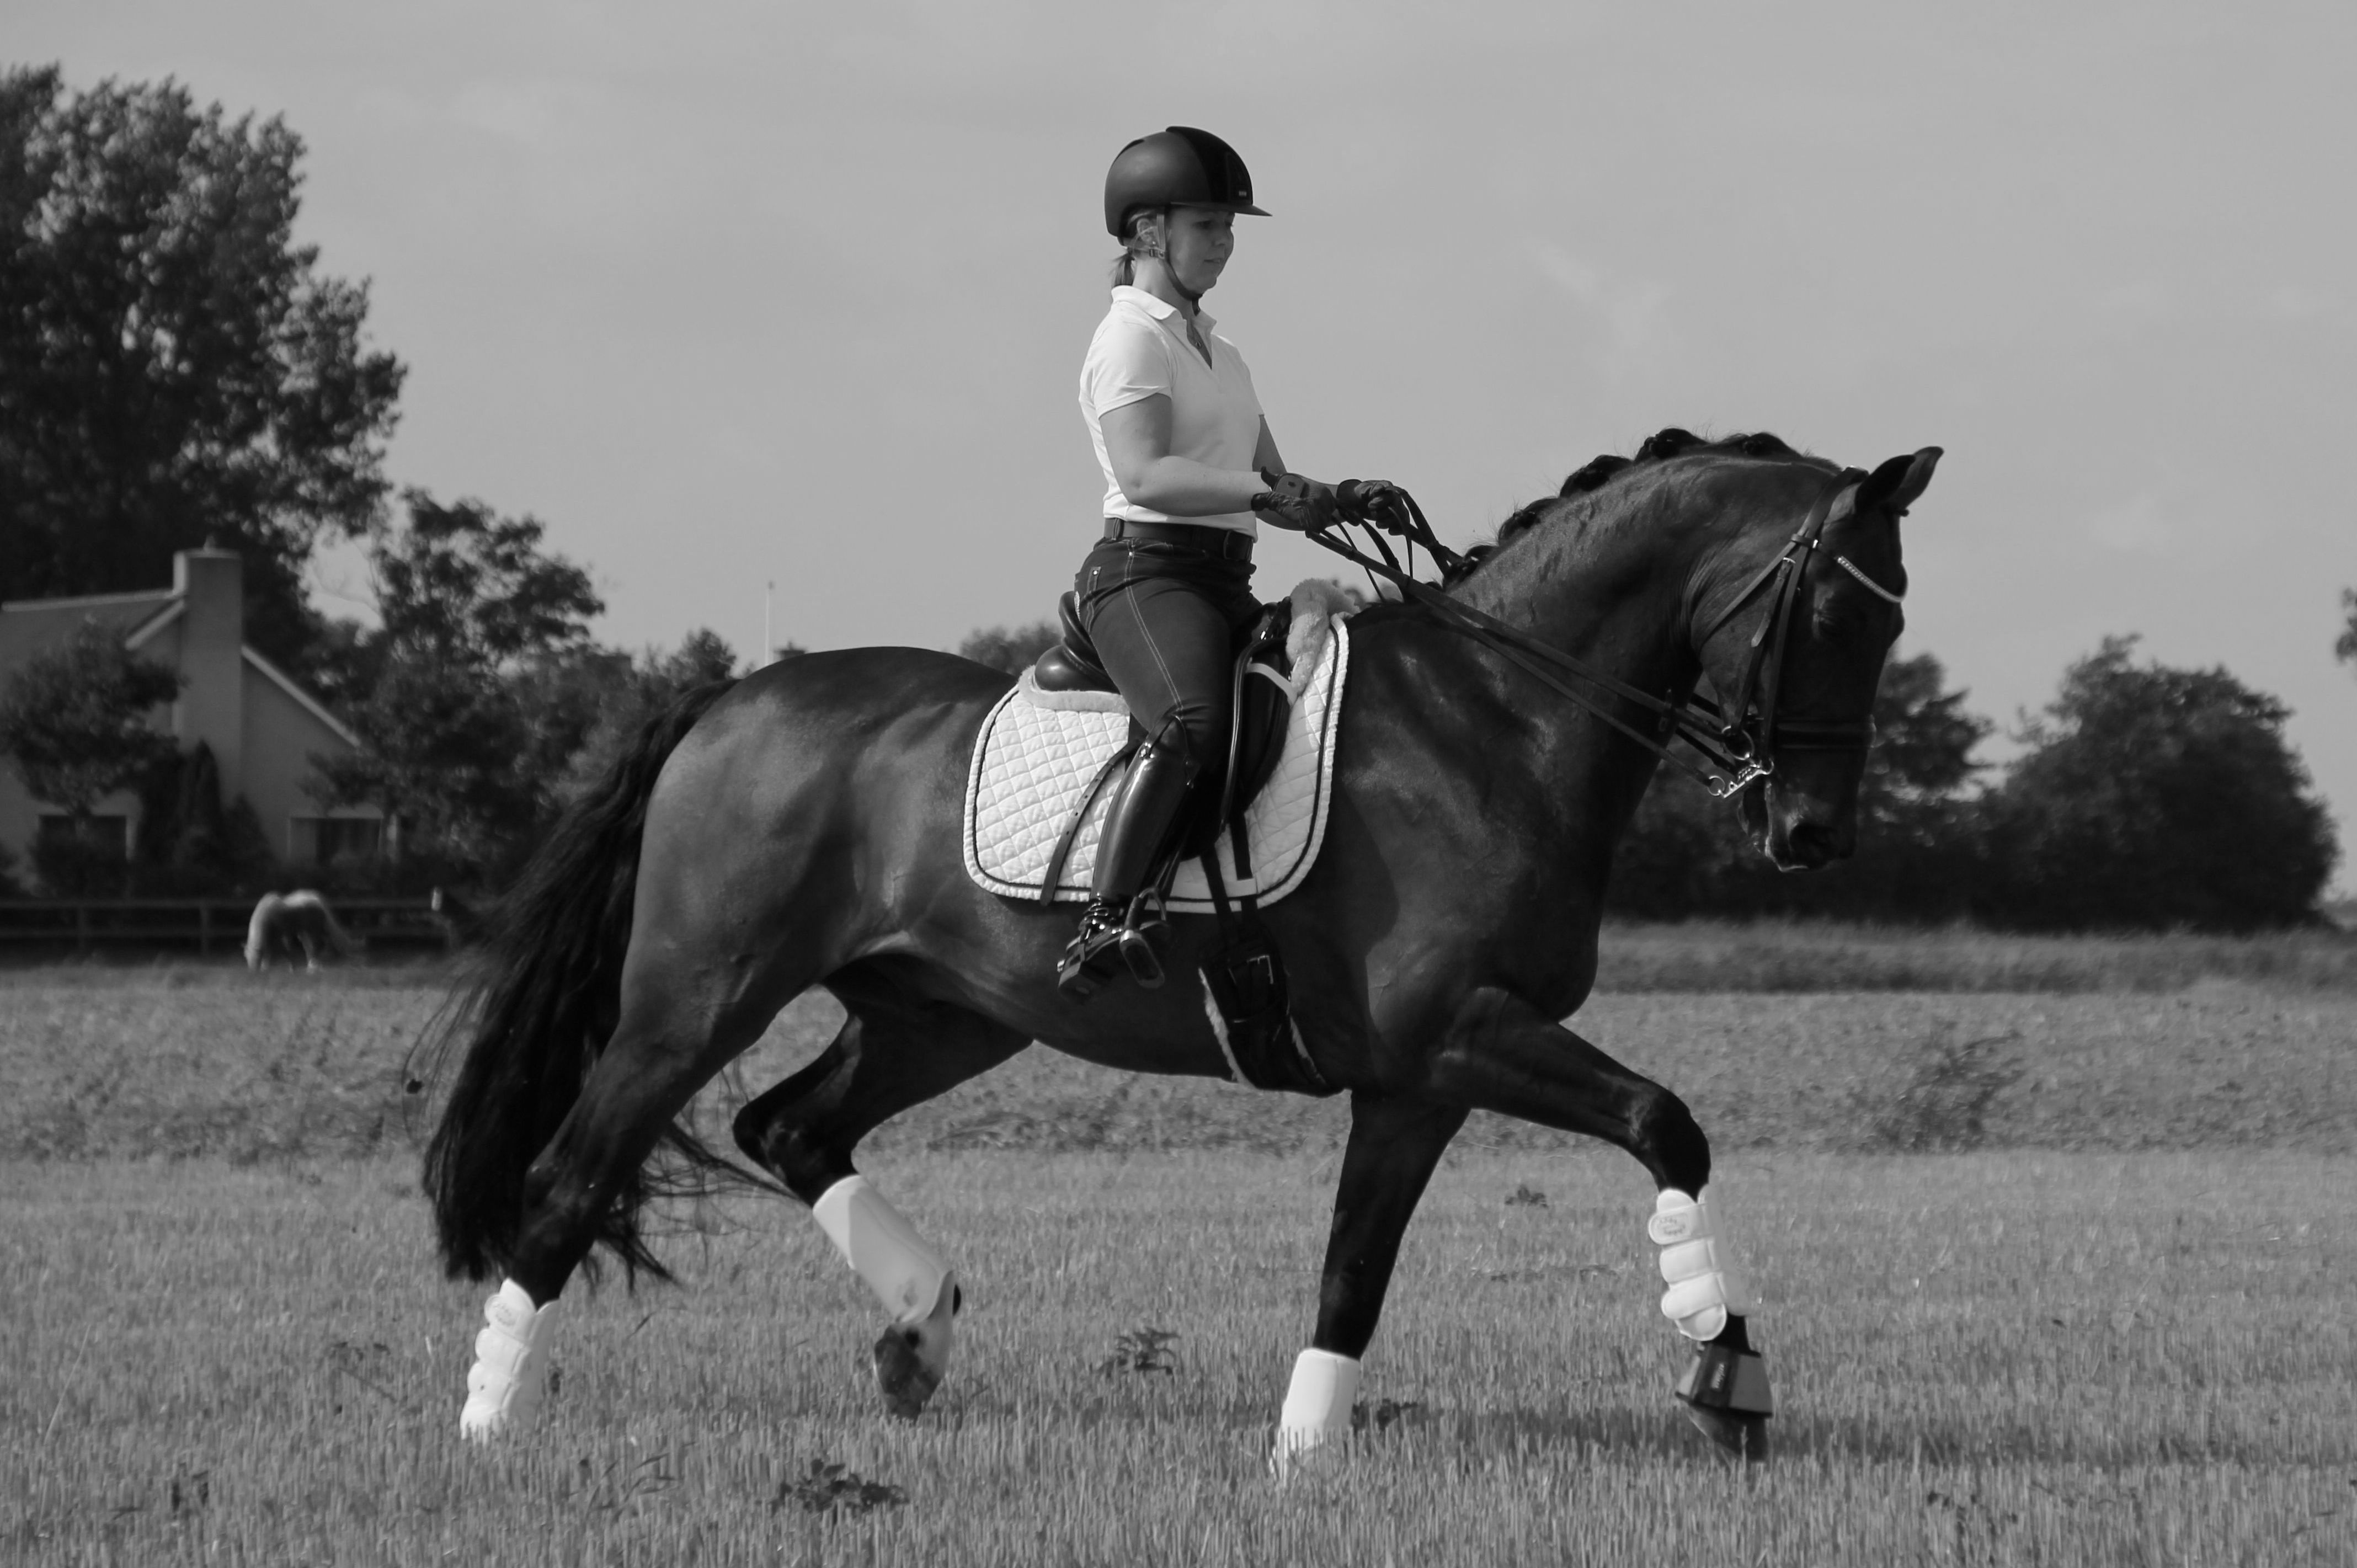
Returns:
(1834, 627)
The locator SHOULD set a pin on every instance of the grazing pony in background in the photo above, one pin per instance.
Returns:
(292, 926)
(801, 827)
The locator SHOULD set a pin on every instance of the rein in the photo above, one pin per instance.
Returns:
(1738, 742)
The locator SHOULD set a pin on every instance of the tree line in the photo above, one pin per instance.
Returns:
(176, 371)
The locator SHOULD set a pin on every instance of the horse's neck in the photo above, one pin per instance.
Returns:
(1618, 606)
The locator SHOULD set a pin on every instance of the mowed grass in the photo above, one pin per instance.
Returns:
(2099, 1311)
(2029, 1357)
(1814, 955)
(181, 1063)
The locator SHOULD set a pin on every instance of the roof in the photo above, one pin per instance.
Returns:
(309, 703)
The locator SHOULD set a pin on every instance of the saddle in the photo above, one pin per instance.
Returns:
(1256, 732)
(1248, 994)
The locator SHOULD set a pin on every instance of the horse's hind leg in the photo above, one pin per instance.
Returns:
(1503, 1056)
(893, 1052)
(678, 1027)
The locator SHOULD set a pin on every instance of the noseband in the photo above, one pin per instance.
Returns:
(1739, 741)
(1751, 729)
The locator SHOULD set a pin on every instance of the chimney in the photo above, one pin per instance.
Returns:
(211, 584)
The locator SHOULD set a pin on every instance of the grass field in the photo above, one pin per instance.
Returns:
(2052, 1278)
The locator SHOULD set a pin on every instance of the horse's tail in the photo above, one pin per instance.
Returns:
(541, 1011)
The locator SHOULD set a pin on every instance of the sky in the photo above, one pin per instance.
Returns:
(738, 295)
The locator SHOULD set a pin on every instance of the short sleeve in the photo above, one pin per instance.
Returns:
(1129, 360)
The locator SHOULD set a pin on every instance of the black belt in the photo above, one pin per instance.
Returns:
(1227, 543)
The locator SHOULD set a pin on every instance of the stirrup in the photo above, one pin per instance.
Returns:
(1145, 931)
(1087, 962)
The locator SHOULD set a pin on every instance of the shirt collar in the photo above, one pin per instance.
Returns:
(1159, 309)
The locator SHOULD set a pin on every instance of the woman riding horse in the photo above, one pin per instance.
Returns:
(1179, 433)
(802, 827)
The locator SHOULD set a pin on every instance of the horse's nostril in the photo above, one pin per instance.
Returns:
(1812, 842)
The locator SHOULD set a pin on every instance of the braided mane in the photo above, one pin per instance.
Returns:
(1600, 471)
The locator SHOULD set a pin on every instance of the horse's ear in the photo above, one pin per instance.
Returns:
(1893, 486)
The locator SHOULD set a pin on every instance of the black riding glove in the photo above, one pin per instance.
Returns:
(1295, 502)
(1371, 501)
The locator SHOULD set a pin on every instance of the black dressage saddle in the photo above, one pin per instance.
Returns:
(1219, 795)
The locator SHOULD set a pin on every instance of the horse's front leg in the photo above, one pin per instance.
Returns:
(1504, 1055)
(1394, 1144)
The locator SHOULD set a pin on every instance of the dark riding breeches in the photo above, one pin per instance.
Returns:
(1165, 619)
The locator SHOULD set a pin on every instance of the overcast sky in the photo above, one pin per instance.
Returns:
(734, 294)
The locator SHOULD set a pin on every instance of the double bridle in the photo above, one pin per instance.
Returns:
(1739, 741)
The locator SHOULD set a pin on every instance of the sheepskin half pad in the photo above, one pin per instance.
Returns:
(1034, 761)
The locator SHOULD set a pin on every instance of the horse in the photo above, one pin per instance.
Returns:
(800, 827)
(291, 926)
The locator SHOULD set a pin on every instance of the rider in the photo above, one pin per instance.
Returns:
(1188, 461)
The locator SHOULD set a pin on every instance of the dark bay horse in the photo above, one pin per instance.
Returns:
(800, 827)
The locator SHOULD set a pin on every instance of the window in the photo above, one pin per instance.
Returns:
(324, 841)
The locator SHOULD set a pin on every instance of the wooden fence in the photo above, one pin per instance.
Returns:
(207, 925)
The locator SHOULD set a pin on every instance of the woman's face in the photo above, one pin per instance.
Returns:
(1196, 243)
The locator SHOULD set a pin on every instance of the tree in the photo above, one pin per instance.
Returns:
(1686, 854)
(2153, 797)
(1011, 649)
(76, 721)
(173, 368)
(477, 620)
(2346, 647)
(77, 724)
(632, 691)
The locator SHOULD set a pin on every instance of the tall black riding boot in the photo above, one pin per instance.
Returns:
(1135, 826)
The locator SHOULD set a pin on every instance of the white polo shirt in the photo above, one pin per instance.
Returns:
(1141, 350)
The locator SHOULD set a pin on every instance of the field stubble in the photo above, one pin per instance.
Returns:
(2123, 1339)
(159, 1066)
(1980, 1358)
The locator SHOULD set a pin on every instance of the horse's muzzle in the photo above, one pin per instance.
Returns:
(1795, 830)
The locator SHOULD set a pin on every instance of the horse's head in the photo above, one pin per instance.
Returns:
(1797, 652)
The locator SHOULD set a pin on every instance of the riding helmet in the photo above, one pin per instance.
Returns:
(1178, 167)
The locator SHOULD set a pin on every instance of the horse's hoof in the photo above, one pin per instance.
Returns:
(911, 1358)
(1740, 1436)
(1725, 1393)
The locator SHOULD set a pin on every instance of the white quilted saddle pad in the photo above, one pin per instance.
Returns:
(1040, 750)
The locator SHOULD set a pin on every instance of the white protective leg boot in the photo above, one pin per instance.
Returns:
(910, 1280)
(509, 1376)
(1316, 1416)
(1698, 1265)
(1726, 1388)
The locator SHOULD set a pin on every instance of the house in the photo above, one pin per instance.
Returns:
(261, 725)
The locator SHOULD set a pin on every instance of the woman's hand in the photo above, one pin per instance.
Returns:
(1297, 501)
